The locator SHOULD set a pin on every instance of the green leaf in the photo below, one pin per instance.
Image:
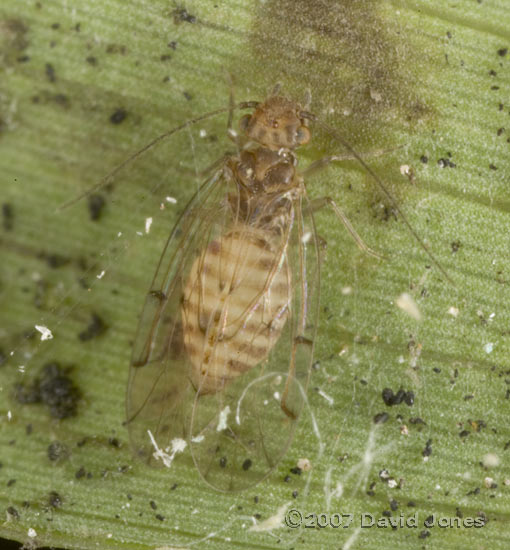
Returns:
(85, 84)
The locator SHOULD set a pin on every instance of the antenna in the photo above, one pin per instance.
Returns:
(150, 145)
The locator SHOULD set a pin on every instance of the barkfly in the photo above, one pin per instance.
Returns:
(224, 347)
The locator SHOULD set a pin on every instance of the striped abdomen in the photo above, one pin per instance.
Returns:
(234, 306)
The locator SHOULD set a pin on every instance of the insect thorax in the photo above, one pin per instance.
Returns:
(265, 181)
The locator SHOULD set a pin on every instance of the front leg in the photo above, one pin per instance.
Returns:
(322, 163)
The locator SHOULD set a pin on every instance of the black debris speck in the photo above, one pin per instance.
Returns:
(429, 521)
(7, 216)
(55, 26)
(174, 487)
(296, 470)
(424, 534)
(493, 166)
(411, 504)
(464, 433)
(28, 429)
(80, 473)
(223, 461)
(446, 163)
(409, 398)
(154, 506)
(424, 159)
(50, 72)
(381, 418)
(118, 116)
(91, 60)
(399, 397)
(56, 260)
(172, 45)
(427, 451)
(393, 505)
(287, 478)
(54, 388)
(11, 482)
(114, 442)
(96, 203)
(95, 328)
(182, 15)
(160, 517)
(13, 512)
(388, 396)
(295, 494)
(57, 451)
(54, 499)
(247, 464)
(502, 52)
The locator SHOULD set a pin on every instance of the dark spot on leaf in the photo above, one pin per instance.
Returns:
(95, 328)
(381, 418)
(50, 72)
(181, 15)
(57, 451)
(54, 499)
(13, 513)
(53, 388)
(7, 216)
(96, 203)
(118, 116)
(427, 451)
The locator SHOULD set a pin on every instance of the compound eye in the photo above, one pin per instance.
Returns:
(244, 123)
(303, 135)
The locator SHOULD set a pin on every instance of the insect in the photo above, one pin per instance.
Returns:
(224, 348)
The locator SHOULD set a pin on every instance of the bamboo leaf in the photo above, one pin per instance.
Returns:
(82, 86)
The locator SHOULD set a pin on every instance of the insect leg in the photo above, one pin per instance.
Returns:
(316, 204)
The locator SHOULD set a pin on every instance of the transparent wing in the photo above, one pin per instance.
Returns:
(239, 434)
(159, 395)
